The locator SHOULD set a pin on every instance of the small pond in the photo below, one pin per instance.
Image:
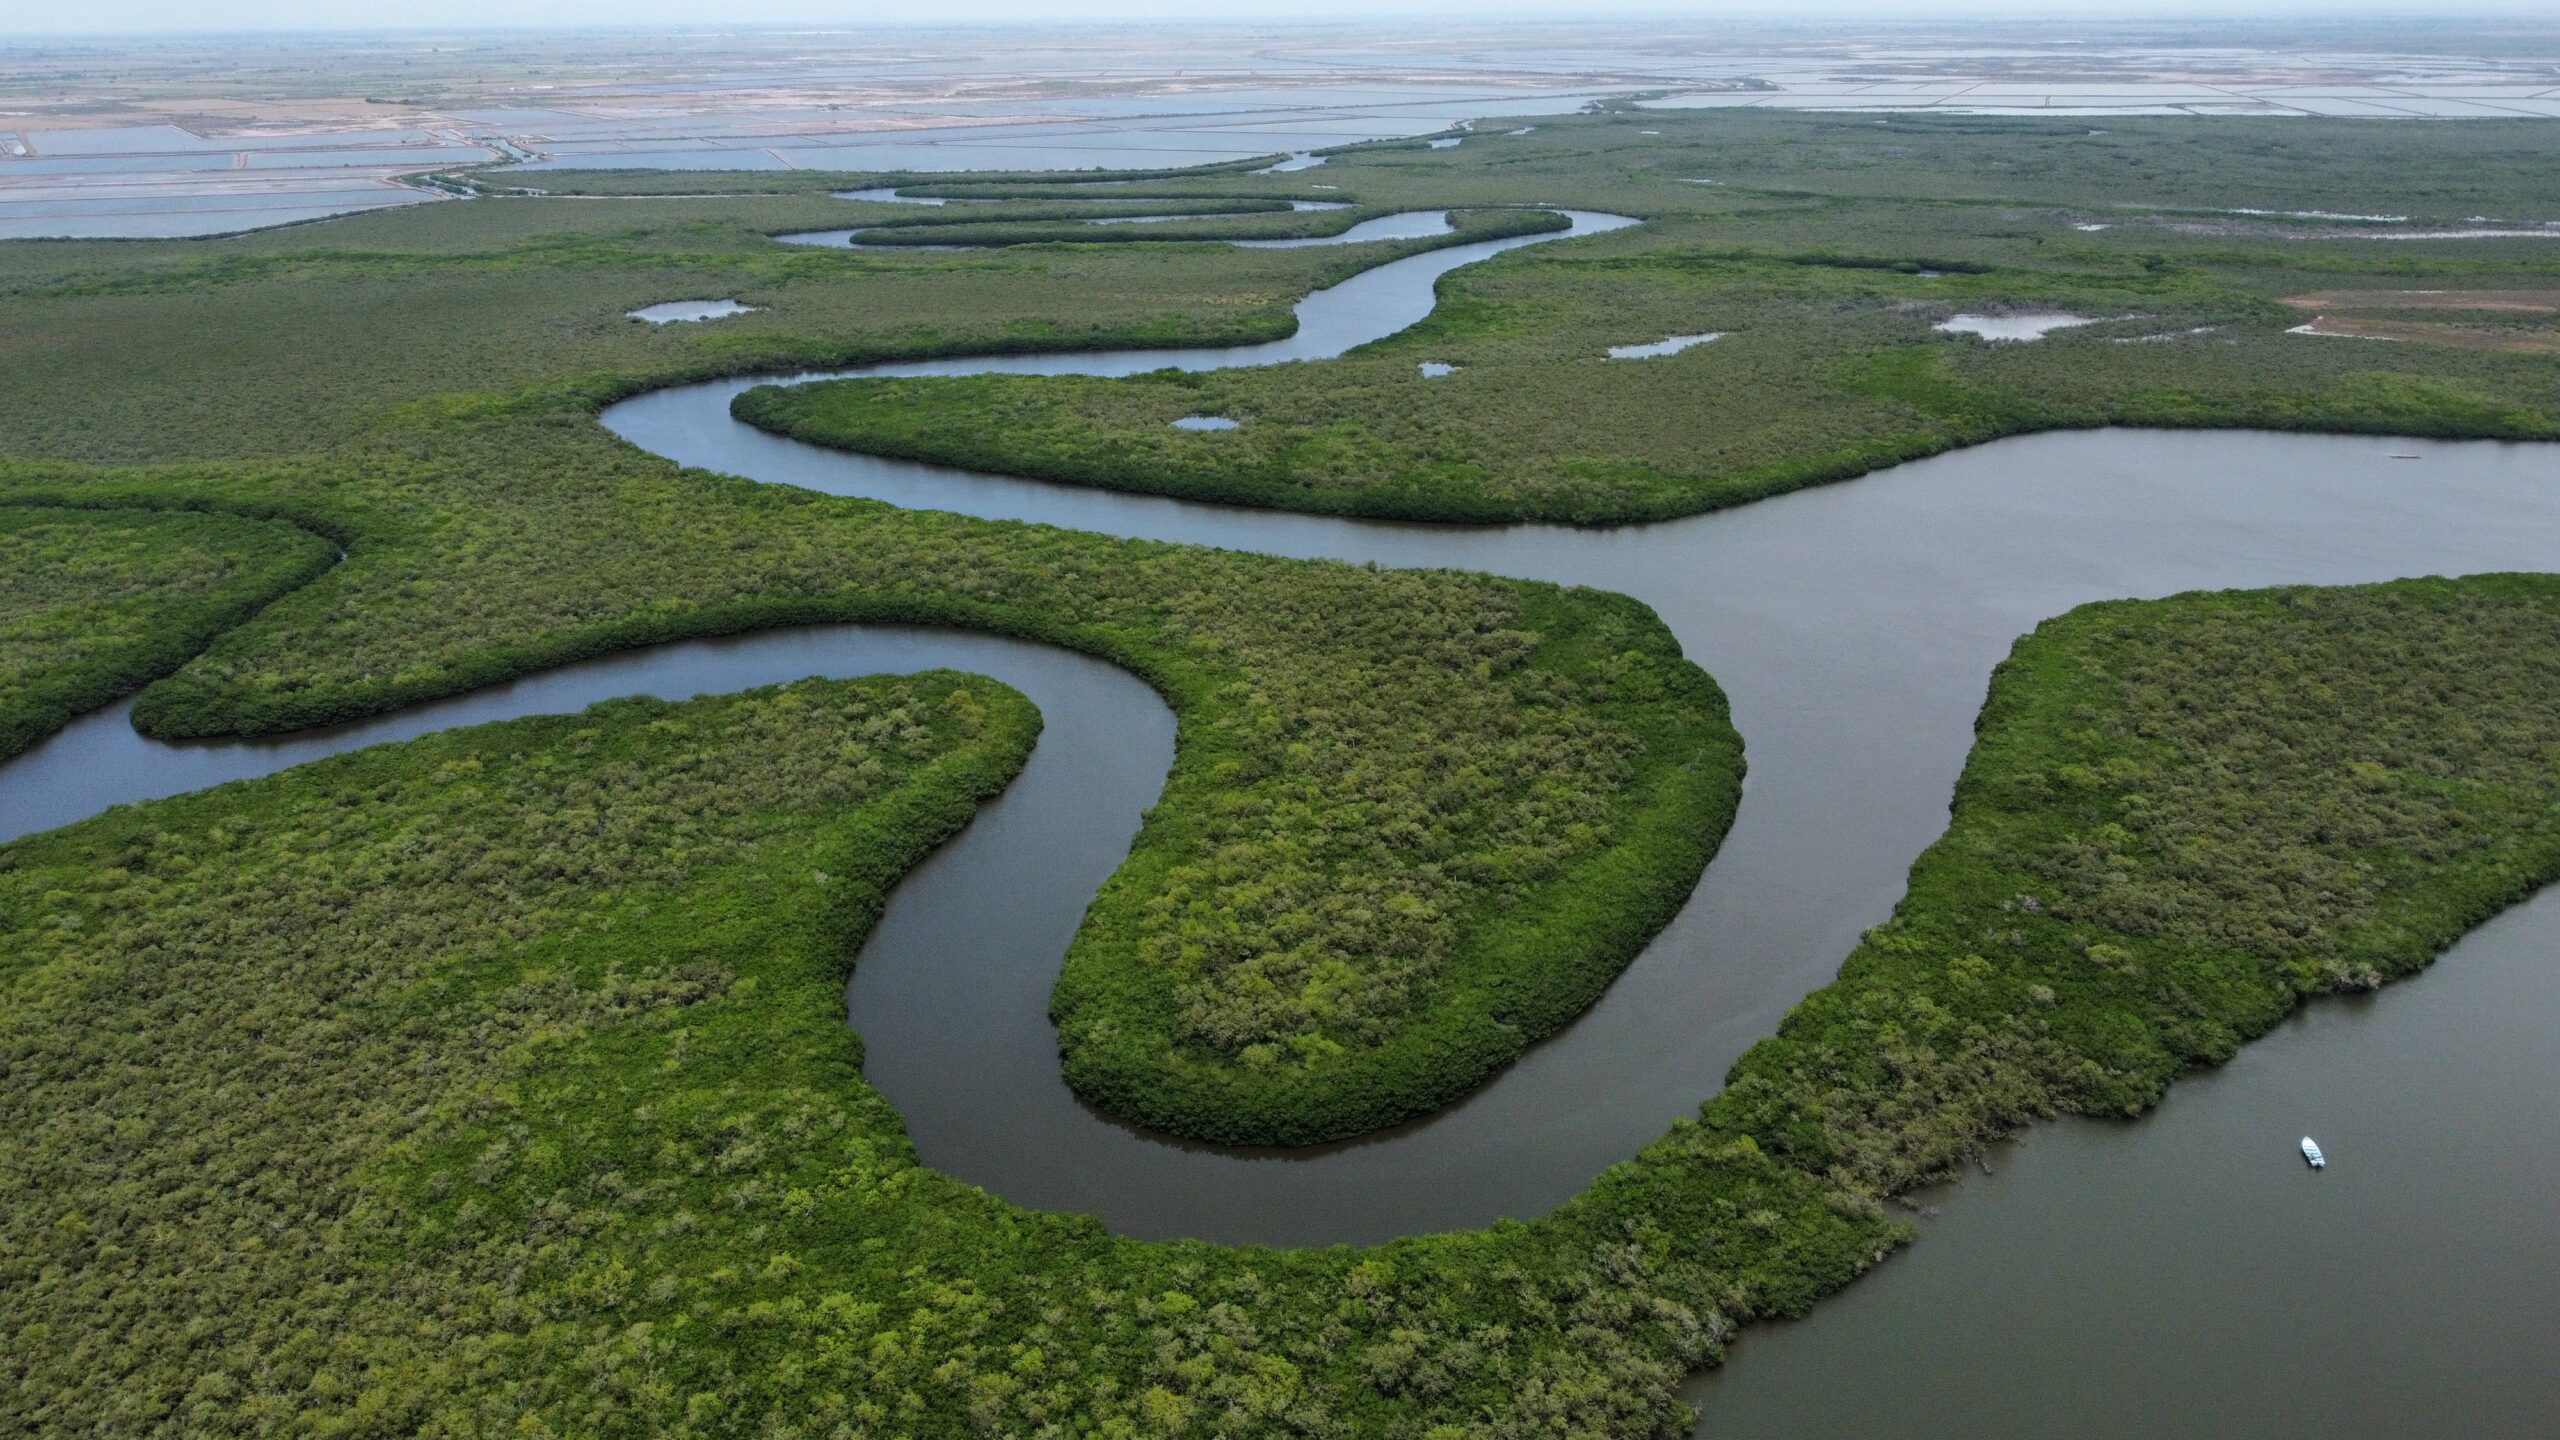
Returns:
(1669, 345)
(679, 311)
(2027, 325)
(1204, 422)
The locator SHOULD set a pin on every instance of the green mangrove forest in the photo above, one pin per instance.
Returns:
(498, 1080)
(93, 604)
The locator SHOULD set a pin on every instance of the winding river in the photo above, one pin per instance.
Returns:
(2184, 1275)
(1399, 225)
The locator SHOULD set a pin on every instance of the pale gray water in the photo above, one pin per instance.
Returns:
(1301, 206)
(888, 194)
(1402, 225)
(1853, 627)
(2548, 231)
(98, 761)
(2188, 1276)
(1145, 219)
(682, 312)
(2017, 328)
(1669, 345)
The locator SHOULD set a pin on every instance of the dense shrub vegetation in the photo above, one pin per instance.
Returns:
(2180, 817)
(1002, 228)
(234, 1022)
(1828, 367)
(498, 1080)
(1390, 788)
(270, 344)
(94, 603)
(1390, 785)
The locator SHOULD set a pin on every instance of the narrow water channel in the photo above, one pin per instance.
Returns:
(1854, 628)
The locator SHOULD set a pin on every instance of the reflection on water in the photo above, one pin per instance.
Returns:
(678, 312)
(2548, 231)
(1671, 345)
(888, 195)
(2028, 325)
(2188, 1275)
(1403, 225)
(2173, 1276)
(1854, 627)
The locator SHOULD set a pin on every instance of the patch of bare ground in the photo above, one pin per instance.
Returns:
(2350, 314)
(2542, 301)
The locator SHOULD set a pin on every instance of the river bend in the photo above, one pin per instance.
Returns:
(1854, 628)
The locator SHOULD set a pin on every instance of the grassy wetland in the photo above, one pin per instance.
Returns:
(605, 1162)
(1826, 299)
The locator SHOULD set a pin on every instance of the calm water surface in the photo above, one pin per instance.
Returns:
(1668, 345)
(2020, 327)
(2112, 1279)
(2184, 1275)
(2187, 1276)
(1401, 225)
(680, 312)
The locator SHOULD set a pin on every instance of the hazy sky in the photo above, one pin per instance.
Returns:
(129, 16)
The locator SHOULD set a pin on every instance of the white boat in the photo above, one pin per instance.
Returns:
(2311, 1152)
